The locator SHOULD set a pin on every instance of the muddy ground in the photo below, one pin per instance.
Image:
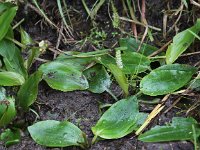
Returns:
(82, 107)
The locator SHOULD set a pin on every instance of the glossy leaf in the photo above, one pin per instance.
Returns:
(132, 45)
(120, 77)
(7, 111)
(4, 6)
(10, 137)
(166, 79)
(25, 98)
(25, 38)
(106, 60)
(53, 133)
(98, 78)
(63, 77)
(120, 119)
(181, 42)
(11, 79)
(80, 64)
(12, 58)
(5, 20)
(134, 63)
(180, 129)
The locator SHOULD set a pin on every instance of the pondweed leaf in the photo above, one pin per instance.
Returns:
(181, 42)
(120, 77)
(12, 57)
(7, 111)
(134, 63)
(5, 20)
(10, 137)
(120, 119)
(98, 78)
(25, 38)
(8, 78)
(132, 45)
(63, 77)
(28, 92)
(166, 79)
(4, 6)
(77, 63)
(180, 129)
(32, 52)
(53, 133)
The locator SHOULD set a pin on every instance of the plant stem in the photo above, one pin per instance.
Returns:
(111, 93)
(16, 42)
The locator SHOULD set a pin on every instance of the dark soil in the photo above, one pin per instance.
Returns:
(82, 107)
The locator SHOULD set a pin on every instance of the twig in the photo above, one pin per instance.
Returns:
(194, 3)
(15, 26)
(69, 32)
(143, 37)
(153, 114)
(160, 50)
(42, 60)
(132, 13)
(139, 23)
(41, 13)
(180, 10)
(165, 25)
(59, 39)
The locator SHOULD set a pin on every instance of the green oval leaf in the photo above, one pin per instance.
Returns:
(7, 111)
(120, 119)
(132, 45)
(181, 42)
(12, 57)
(11, 79)
(63, 77)
(166, 79)
(134, 63)
(98, 78)
(5, 20)
(180, 129)
(53, 133)
(25, 38)
(25, 98)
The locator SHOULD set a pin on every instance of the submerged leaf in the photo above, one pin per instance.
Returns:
(134, 63)
(120, 119)
(98, 78)
(53, 133)
(5, 20)
(120, 77)
(10, 137)
(12, 58)
(63, 77)
(7, 111)
(166, 79)
(25, 98)
(181, 42)
(132, 45)
(11, 79)
(180, 129)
